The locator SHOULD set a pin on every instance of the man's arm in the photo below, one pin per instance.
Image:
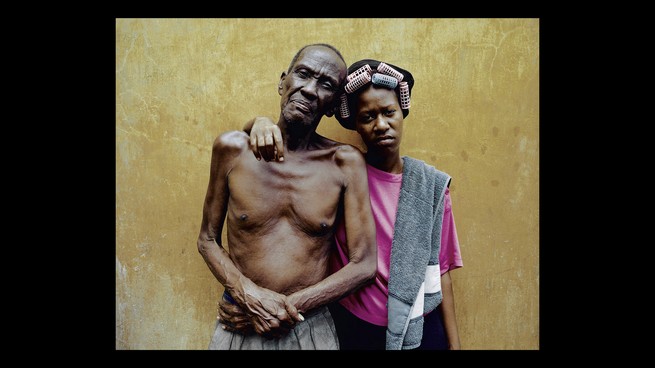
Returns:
(360, 236)
(266, 307)
(448, 310)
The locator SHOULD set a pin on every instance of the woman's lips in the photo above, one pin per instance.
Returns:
(385, 140)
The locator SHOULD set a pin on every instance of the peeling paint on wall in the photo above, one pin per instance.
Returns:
(475, 109)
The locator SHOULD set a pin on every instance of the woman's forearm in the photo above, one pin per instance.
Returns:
(448, 312)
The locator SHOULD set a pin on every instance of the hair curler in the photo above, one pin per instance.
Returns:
(384, 80)
(357, 82)
(362, 70)
(343, 108)
(386, 69)
(404, 95)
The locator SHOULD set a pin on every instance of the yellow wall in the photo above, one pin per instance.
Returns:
(475, 115)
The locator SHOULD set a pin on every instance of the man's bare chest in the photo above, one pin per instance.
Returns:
(307, 196)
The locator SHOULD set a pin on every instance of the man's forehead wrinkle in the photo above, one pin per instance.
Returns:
(327, 70)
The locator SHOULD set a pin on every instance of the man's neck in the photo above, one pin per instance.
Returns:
(296, 137)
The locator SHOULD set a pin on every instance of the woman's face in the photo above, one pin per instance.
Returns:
(379, 120)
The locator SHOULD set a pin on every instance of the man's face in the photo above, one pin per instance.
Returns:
(312, 86)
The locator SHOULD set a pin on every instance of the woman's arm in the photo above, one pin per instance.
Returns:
(265, 139)
(448, 311)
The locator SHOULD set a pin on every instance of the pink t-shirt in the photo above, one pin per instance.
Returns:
(369, 302)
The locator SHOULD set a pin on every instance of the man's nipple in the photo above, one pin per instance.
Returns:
(243, 217)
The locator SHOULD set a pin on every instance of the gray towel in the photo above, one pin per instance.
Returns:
(416, 243)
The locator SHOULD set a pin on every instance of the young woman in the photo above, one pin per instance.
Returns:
(411, 303)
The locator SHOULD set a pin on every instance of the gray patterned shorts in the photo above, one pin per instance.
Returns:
(316, 332)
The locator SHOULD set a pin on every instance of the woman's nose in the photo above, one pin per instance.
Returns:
(381, 124)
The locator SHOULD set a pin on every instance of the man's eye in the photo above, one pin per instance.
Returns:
(302, 74)
(390, 112)
(328, 85)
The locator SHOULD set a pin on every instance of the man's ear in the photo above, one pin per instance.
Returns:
(335, 107)
(279, 84)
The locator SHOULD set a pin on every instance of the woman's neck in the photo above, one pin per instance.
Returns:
(391, 163)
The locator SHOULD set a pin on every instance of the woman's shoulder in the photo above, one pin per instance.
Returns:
(421, 165)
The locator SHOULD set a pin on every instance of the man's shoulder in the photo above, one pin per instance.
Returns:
(347, 156)
(344, 154)
(324, 142)
(231, 141)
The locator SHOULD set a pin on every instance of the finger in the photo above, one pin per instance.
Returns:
(269, 325)
(231, 308)
(276, 328)
(237, 328)
(293, 312)
(234, 317)
(234, 321)
(260, 329)
(253, 147)
(261, 147)
(274, 324)
(224, 317)
(269, 146)
(279, 145)
(237, 322)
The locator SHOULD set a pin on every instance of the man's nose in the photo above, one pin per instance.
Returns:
(310, 88)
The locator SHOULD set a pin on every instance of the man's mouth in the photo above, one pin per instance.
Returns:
(302, 106)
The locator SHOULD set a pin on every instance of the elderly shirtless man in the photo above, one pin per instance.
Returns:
(281, 217)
